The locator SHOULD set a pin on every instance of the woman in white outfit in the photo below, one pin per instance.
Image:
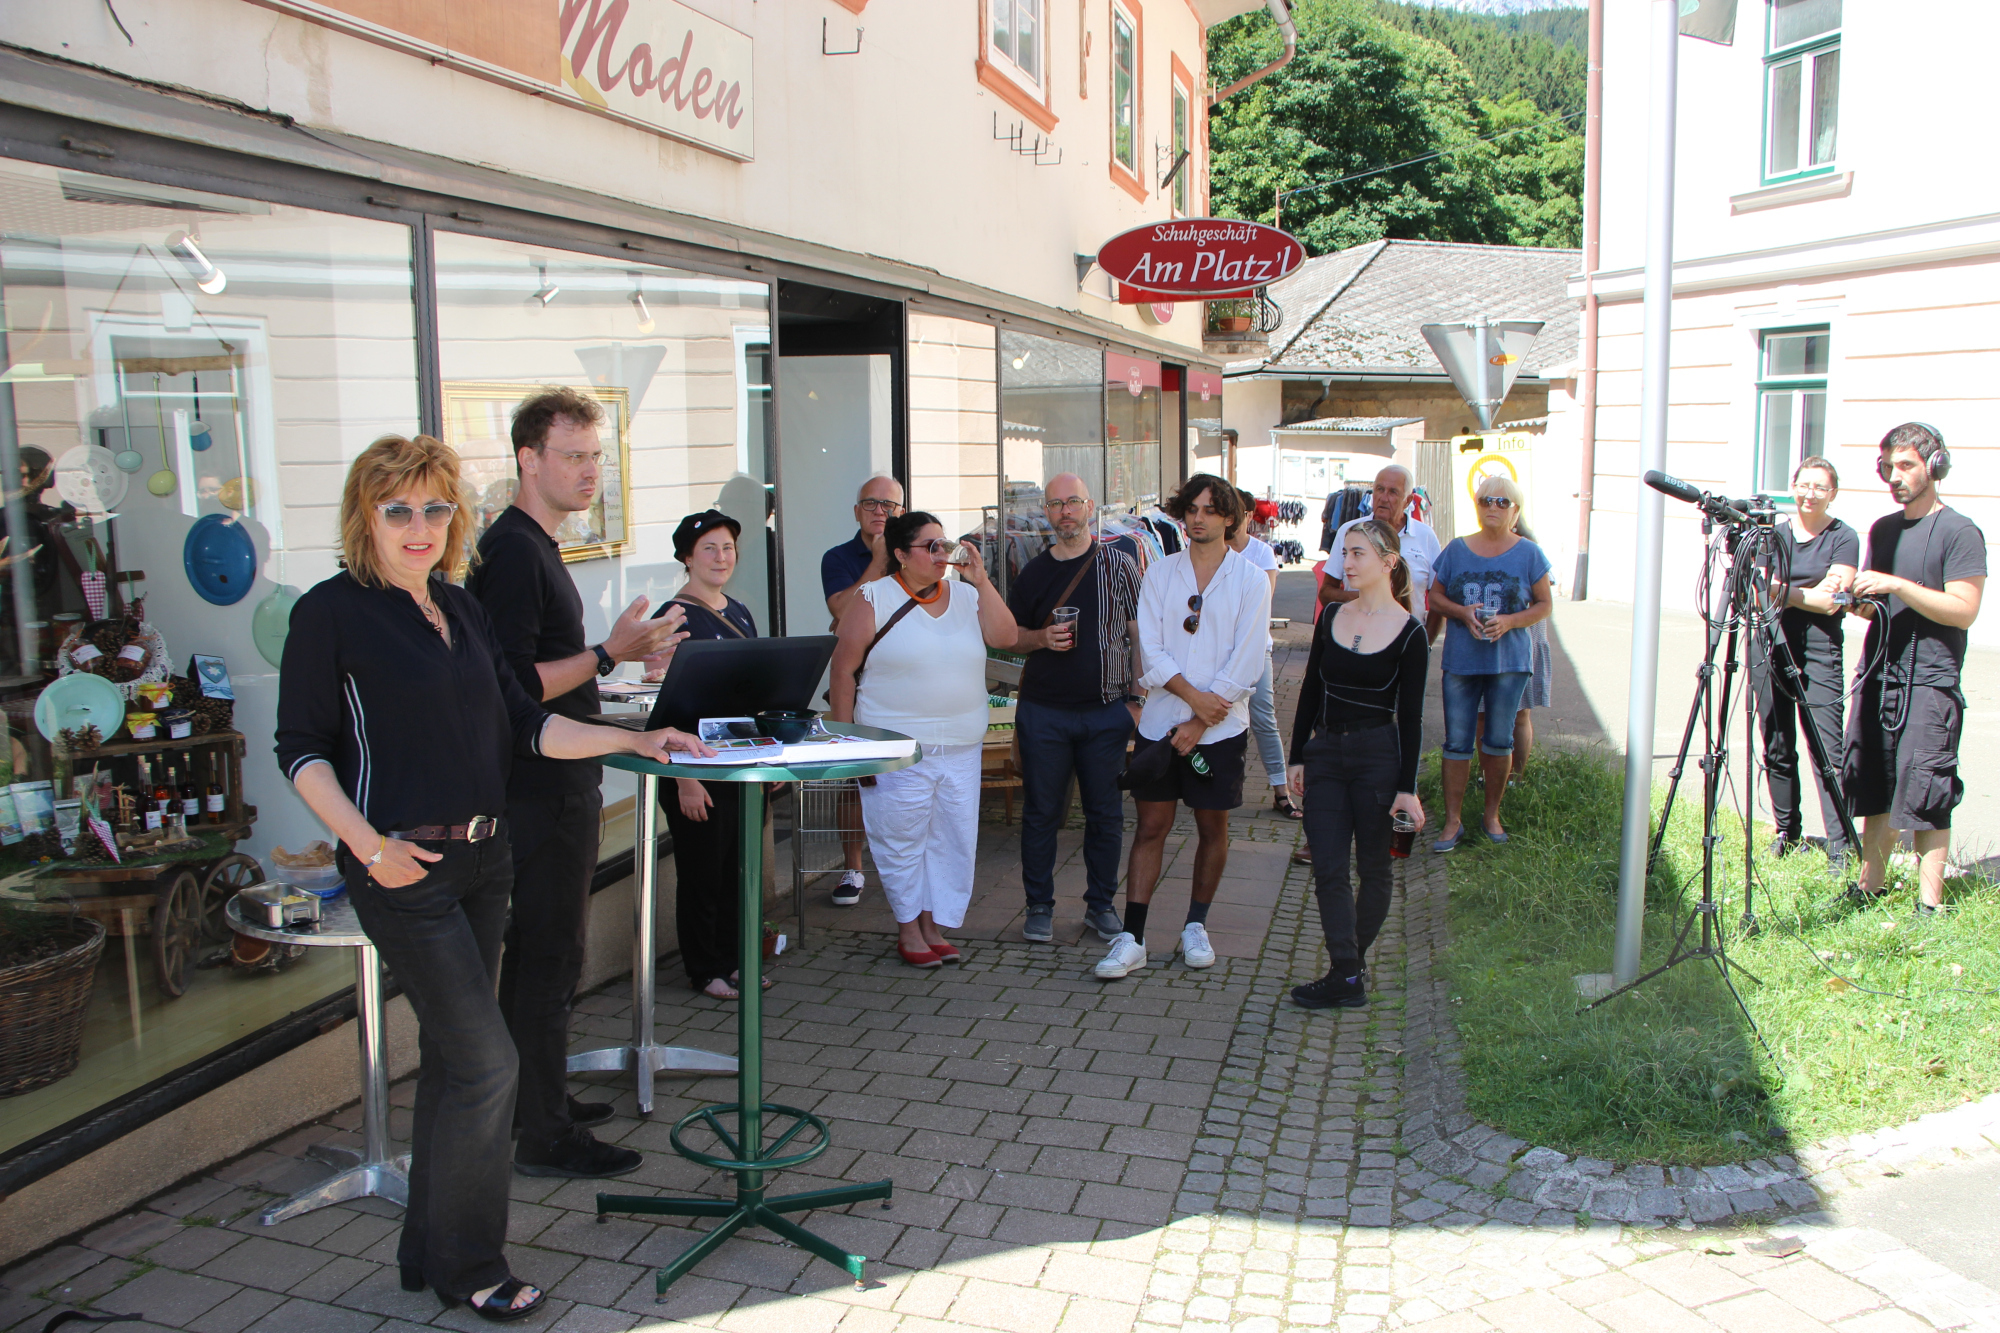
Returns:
(917, 642)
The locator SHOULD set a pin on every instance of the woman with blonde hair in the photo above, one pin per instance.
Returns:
(398, 717)
(1489, 587)
(1355, 741)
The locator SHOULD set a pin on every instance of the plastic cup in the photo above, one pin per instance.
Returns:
(1403, 834)
(1065, 620)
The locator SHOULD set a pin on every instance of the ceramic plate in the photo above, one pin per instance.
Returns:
(220, 559)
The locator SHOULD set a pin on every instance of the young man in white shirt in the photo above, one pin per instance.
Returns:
(1204, 630)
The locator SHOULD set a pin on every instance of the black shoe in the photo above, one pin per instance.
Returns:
(1922, 908)
(589, 1113)
(1332, 992)
(579, 1156)
(1781, 847)
(499, 1307)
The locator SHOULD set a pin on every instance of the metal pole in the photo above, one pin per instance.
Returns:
(646, 851)
(1593, 222)
(374, 1060)
(750, 985)
(22, 579)
(1644, 683)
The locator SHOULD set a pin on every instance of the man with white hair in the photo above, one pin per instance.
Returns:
(1391, 503)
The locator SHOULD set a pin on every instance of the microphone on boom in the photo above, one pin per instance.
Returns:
(1713, 506)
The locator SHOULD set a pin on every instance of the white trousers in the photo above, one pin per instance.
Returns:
(923, 827)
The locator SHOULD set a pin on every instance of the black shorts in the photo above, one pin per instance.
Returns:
(1908, 772)
(1222, 789)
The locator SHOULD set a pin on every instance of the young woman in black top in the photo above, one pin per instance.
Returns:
(1824, 555)
(1355, 741)
(398, 717)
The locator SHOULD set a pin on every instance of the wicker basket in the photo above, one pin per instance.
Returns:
(41, 1012)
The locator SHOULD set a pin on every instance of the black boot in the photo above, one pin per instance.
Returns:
(1341, 988)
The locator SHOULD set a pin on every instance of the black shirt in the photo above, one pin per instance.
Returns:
(1837, 544)
(705, 622)
(1934, 550)
(1358, 690)
(537, 613)
(842, 566)
(417, 732)
(1097, 669)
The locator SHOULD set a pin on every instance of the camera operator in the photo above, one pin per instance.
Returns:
(1923, 577)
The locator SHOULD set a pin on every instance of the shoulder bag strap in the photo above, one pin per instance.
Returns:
(714, 614)
(1083, 567)
(901, 611)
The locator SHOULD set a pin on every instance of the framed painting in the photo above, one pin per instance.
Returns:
(476, 417)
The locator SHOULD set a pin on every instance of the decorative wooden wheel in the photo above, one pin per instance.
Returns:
(226, 878)
(177, 929)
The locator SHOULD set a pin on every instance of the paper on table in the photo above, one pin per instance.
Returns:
(626, 689)
(820, 748)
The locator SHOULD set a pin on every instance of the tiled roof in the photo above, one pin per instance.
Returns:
(1350, 425)
(1364, 308)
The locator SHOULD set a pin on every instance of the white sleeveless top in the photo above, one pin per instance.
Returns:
(927, 677)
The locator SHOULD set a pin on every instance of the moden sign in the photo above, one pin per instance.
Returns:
(662, 64)
(1192, 259)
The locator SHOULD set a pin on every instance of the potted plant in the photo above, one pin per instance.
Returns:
(47, 965)
(1232, 316)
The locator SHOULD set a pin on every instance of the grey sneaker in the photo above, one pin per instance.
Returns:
(1040, 927)
(1105, 922)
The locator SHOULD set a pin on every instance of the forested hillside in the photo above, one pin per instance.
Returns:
(1404, 121)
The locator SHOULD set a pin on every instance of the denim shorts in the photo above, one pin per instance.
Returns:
(1464, 696)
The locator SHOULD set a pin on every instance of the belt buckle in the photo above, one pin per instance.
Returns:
(481, 828)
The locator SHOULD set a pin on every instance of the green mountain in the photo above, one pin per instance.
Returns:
(1537, 55)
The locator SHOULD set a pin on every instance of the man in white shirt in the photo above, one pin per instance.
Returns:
(1264, 703)
(1421, 548)
(1204, 630)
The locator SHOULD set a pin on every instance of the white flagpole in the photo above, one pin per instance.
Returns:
(1659, 302)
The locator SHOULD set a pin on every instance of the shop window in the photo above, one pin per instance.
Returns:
(1801, 88)
(1125, 89)
(1016, 37)
(680, 362)
(1791, 405)
(1132, 391)
(1051, 422)
(185, 377)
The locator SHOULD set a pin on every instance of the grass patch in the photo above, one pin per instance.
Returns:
(1671, 1073)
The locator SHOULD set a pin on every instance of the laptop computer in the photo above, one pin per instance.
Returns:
(736, 678)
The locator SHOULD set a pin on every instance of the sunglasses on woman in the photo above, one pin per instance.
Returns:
(435, 513)
(1496, 502)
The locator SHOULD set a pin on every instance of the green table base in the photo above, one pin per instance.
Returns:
(749, 1157)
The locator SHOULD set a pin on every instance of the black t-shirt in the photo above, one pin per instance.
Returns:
(1838, 544)
(537, 615)
(704, 622)
(1077, 678)
(1932, 551)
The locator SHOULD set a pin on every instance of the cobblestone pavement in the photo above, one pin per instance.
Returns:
(1181, 1150)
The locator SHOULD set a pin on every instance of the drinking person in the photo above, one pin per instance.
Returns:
(1489, 587)
(398, 721)
(912, 659)
(1355, 742)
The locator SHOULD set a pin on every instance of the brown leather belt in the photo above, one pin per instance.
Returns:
(480, 829)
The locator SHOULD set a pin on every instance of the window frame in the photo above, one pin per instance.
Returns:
(998, 74)
(1805, 53)
(1767, 385)
(1005, 61)
(1126, 176)
(1180, 117)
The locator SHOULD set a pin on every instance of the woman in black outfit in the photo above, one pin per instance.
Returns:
(398, 717)
(1824, 555)
(704, 817)
(1355, 741)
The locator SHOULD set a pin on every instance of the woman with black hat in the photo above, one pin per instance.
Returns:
(703, 817)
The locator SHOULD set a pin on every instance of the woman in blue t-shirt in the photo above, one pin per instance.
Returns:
(1489, 587)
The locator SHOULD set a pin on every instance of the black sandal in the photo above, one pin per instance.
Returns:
(499, 1307)
(1283, 804)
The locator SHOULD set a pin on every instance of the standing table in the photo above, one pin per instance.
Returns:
(372, 1171)
(746, 1154)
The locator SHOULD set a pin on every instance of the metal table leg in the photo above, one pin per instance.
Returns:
(372, 1172)
(749, 1157)
(643, 1055)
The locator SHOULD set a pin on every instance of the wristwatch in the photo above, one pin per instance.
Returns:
(605, 662)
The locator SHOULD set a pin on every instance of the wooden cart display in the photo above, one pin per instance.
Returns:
(176, 899)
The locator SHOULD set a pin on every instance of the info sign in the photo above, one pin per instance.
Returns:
(1197, 259)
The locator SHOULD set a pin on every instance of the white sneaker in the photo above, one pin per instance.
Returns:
(1126, 957)
(848, 892)
(1196, 951)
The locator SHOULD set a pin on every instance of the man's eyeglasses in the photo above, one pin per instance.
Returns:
(889, 507)
(1074, 502)
(1193, 622)
(399, 515)
(578, 457)
(1495, 502)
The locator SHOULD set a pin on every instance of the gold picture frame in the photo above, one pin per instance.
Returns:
(476, 418)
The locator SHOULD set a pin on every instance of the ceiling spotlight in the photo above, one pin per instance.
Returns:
(644, 316)
(206, 275)
(547, 291)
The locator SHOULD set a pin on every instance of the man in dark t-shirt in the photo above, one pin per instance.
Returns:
(1076, 709)
(1925, 572)
(553, 804)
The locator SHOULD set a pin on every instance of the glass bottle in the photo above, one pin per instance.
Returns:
(189, 794)
(151, 800)
(218, 799)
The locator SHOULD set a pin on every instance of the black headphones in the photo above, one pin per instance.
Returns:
(1937, 458)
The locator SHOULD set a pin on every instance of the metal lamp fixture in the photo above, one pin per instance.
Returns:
(546, 291)
(639, 311)
(206, 275)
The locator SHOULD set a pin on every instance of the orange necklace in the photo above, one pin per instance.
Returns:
(937, 590)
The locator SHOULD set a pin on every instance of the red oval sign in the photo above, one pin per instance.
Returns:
(1192, 258)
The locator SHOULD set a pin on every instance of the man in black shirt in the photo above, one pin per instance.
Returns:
(553, 805)
(1926, 570)
(1076, 709)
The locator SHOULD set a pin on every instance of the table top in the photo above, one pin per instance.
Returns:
(857, 768)
(337, 925)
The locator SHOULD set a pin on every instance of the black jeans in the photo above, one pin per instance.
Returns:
(1056, 742)
(1778, 715)
(708, 903)
(555, 854)
(441, 938)
(1350, 784)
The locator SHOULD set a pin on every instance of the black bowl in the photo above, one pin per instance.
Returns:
(786, 725)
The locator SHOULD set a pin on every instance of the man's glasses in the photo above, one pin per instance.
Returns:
(1193, 622)
(578, 457)
(889, 507)
(1495, 502)
(435, 513)
(1074, 502)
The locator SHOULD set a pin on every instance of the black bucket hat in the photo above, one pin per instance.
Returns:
(694, 526)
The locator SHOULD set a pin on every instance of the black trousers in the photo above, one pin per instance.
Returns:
(707, 900)
(1350, 784)
(1778, 715)
(555, 854)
